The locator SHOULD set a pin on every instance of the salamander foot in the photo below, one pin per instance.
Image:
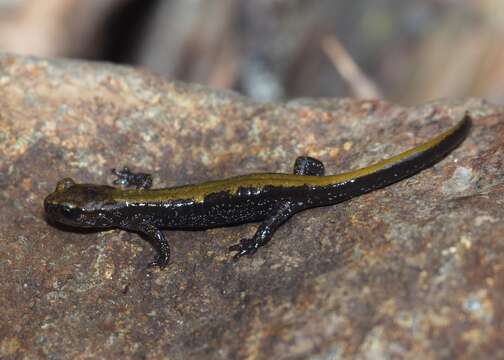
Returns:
(127, 178)
(244, 247)
(159, 261)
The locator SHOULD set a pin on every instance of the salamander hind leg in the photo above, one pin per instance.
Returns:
(306, 165)
(265, 231)
(127, 178)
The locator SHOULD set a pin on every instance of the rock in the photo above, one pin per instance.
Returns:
(413, 270)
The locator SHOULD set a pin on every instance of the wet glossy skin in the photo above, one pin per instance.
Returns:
(268, 197)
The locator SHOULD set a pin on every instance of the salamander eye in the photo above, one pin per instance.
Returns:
(64, 184)
(67, 210)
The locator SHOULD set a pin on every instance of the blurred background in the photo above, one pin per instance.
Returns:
(406, 51)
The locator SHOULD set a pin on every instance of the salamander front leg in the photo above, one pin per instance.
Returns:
(265, 231)
(127, 178)
(306, 165)
(157, 238)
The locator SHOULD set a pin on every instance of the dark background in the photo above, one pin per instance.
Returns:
(406, 51)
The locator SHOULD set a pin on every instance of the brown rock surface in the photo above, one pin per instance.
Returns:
(414, 270)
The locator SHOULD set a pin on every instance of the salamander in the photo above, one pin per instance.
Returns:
(269, 198)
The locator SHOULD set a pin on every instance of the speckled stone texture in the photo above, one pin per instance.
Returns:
(415, 270)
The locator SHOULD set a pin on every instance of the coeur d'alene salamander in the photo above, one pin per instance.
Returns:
(268, 197)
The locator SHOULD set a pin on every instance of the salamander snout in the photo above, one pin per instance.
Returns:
(79, 205)
(59, 206)
(61, 213)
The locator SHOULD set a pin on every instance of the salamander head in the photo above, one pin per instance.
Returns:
(80, 205)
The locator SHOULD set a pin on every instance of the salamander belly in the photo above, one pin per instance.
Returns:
(213, 212)
(246, 205)
(235, 212)
(223, 208)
